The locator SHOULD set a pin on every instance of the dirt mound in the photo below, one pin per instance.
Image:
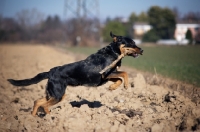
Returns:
(144, 106)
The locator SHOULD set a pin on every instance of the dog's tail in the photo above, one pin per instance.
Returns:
(39, 77)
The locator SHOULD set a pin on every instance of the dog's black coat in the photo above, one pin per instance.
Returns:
(85, 72)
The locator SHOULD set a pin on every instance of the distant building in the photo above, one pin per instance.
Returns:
(181, 29)
(180, 32)
(140, 29)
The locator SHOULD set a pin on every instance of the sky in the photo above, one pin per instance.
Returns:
(107, 8)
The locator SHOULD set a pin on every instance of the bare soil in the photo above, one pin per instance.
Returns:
(150, 103)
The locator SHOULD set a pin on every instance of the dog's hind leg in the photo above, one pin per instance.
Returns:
(45, 104)
(55, 93)
(52, 101)
(37, 104)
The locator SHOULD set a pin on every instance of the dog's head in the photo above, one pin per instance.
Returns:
(126, 45)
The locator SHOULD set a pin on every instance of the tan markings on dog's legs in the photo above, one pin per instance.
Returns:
(117, 83)
(45, 104)
(125, 76)
(119, 74)
(52, 101)
(63, 97)
(37, 104)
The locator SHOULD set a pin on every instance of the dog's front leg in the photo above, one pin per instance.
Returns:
(118, 75)
(117, 83)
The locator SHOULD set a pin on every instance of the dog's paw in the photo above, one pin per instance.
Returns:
(112, 87)
(126, 87)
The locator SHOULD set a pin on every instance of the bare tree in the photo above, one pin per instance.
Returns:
(29, 18)
(29, 21)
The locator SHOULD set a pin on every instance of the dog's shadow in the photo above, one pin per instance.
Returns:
(94, 104)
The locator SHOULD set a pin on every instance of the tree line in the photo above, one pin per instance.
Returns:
(32, 26)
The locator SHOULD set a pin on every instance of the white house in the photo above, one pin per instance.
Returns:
(180, 31)
(141, 28)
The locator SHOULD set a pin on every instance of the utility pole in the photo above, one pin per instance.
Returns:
(81, 8)
(85, 16)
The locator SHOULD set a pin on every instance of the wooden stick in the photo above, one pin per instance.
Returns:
(124, 52)
(112, 64)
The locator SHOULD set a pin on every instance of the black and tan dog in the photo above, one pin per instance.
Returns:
(85, 72)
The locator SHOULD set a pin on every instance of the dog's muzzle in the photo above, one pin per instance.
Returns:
(141, 51)
(136, 54)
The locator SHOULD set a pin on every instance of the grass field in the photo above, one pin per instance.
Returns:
(176, 62)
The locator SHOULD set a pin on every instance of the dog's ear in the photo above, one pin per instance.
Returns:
(113, 36)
